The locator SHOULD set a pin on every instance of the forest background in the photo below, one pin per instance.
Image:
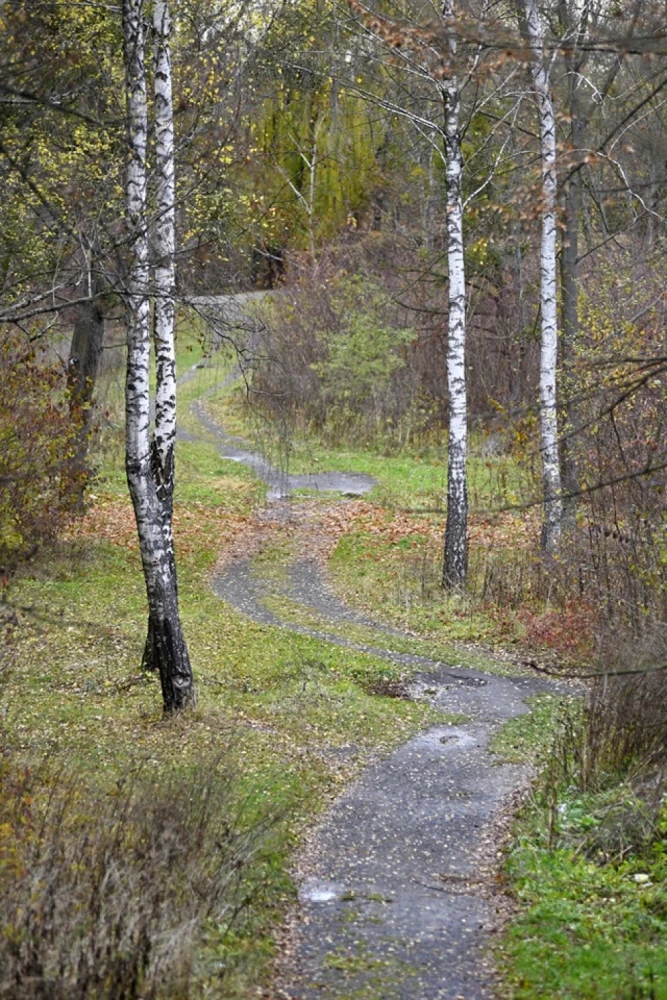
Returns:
(314, 150)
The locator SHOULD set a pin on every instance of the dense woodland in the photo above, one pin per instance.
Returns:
(455, 213)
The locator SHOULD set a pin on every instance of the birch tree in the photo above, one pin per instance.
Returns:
(150, 455)
(551, 480)
(573, 25)
(434, 51)
(456, 532)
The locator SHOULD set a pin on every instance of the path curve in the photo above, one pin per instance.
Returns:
(397, 894)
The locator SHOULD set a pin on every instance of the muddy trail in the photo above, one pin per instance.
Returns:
(398, 895)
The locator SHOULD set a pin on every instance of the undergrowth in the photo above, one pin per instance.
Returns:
(588, 860)
(588, 863)
(127, 891)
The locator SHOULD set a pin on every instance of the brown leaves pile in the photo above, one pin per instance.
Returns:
(111, 519)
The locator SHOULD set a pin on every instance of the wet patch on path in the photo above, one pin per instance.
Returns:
(281, 485)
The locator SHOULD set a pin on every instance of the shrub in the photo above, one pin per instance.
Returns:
(106, 896)
(336, 363)
(606, 773)
(39, 484)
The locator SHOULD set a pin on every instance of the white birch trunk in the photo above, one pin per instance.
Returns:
(150, 478)
(456, 531)
(164, 248)
(165, 241)
(551, 480)
(137, 401)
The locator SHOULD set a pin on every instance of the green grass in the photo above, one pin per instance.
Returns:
(400, 580)
(586, 930)
(414, 481)
(411, 479)
(272, 564)
(397, 577)
(366, 635)
(277, 705)
(591, 922)
(528, 738)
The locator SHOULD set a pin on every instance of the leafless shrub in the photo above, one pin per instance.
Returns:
(612, 750)
(106, 896)
(626, 724)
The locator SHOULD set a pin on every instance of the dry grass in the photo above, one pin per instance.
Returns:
(107, 896)
(610, 753)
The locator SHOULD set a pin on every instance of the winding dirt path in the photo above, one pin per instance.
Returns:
(397, 889)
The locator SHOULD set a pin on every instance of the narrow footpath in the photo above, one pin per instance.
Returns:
(398, 894)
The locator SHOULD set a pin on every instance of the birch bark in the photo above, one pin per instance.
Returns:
(551, 480)
(164, 242)
(150, 460)
(456, 531)
(455, 568)
(569, 284)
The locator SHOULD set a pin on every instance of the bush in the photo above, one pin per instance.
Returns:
(336, 364)
(588, 863)
(106, 896)
(39, 484)
(606, 775)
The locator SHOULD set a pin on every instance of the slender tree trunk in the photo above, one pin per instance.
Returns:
(380, 194)
(569, 272)
(164, 244)
(150, 460)
(432, 202)
(455, 568)
(85, 353)
(574, 23)
(164, 286)
(456, 532)
(82, 369)
(551, 482)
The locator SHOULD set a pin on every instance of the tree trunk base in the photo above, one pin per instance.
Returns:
(166, 653)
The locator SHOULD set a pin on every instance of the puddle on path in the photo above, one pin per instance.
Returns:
(315, 891)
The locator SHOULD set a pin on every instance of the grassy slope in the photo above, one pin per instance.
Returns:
(274, 704)
(413, 479)
(390, 560)
(592, 921)
(587, 930)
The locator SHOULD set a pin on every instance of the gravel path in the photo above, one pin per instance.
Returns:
(396, 884)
